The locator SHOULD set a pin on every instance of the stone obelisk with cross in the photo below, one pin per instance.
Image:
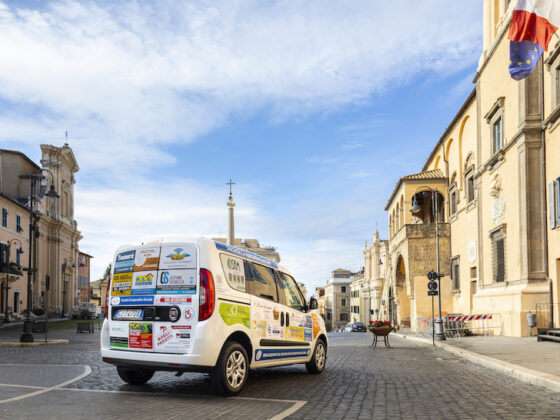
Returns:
(231, 205)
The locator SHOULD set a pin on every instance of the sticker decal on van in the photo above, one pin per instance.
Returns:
(124, 262)
(177, 281)
(235, 314)
(177, 257)
(147, 259)
(245, 254)
(270, 354)
(122, 284)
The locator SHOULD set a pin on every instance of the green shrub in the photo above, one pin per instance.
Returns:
(84, 313)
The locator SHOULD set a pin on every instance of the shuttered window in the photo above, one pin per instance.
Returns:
(557, 200)
(554, 203)
(498, 256)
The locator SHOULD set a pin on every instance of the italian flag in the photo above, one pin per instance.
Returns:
(532, 26)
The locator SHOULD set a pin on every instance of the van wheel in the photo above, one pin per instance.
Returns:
(229, 375)
(135, 377)
(319, 359)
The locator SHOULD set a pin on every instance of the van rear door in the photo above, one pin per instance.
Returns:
(154, 294)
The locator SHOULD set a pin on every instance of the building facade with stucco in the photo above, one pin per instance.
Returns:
(497, 175)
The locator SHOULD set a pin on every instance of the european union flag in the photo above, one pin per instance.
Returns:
(523, 58)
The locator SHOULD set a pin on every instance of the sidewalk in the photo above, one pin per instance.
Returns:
(522, 358)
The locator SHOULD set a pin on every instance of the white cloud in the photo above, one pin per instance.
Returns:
(125, 78)
(146, 74)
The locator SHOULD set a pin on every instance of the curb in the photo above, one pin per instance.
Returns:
(34, 344)
(531, 376)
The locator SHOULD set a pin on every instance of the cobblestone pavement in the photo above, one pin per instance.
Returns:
(407, 381)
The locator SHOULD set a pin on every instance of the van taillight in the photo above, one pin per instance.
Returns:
(107, 297)
(207, 295)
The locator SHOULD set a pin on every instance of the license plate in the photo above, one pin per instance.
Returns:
(135, 314)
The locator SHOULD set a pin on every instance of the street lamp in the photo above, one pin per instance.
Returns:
(440, 334)
(27, 335)
(7, 287)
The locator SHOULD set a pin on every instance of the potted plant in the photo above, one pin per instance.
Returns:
(380, 328)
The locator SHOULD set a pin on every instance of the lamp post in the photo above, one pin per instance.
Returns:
(7, 287)
(63, 289)
(439, 334)
(27, 335)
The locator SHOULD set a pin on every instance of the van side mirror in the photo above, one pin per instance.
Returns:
(313, 304)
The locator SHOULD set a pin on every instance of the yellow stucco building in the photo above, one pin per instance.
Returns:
(497, 175)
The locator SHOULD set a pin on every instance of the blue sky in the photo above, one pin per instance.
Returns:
(314, 109)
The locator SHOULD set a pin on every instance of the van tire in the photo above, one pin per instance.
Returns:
(135, 377)
(233, 358)
(319, 358)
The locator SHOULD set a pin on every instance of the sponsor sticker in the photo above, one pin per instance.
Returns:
(173, 338)
(316, 325)
(177, 281)
(140, 335)
(295, 334)
(235, 314)
(177, 257)
(271, 354)
(245, 254)
(134, 300)
(147, 259)
(122, 284)
(234, 271)
(173, 299)
(144, 283)
(124, 262)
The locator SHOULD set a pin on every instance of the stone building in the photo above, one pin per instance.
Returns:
(84, 276)
(56, 245)
(337, 299)
(496, 171)
(375, 275)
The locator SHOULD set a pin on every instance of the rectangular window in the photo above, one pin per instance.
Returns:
(455, 273)
(343, 289)
(554, 203)
(497, 135)
(4, 217)
(470, 188)
(18, 224)
(473, 272)
(342, 302)
(344, 317)
(498, 256)
(329, 316)
(259, 281)
(18, 257)
(453, 202)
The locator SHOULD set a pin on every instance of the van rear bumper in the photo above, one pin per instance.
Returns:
(156, 361)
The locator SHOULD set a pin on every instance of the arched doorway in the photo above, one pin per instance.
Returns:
(402, 300)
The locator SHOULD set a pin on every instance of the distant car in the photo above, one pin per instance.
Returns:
(358, 327)
(347, 327)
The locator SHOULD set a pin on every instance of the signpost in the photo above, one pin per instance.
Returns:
(433, 291)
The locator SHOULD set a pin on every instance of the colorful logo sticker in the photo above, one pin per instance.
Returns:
(295, 334)
(175, 257)
(270, 354)
(124, 262)
(122, 284)
(118, 342)
(133, 300)
(235, 314)
(316, 325)
(234, 271)
(189, 314)
(147, 259)
(177, 281)
(140, 335)
(144, 283)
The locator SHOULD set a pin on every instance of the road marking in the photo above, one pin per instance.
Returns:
(87, 371)
(296, 404)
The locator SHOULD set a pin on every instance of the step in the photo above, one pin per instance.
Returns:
(546, 337)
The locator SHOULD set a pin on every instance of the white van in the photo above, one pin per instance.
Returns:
(205, 306)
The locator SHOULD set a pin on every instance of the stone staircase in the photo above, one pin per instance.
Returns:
(548, 334)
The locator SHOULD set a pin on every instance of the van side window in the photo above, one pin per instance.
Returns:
(259, 281)
(291, 295)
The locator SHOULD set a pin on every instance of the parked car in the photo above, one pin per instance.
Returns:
(358, 327)
(347, 327)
